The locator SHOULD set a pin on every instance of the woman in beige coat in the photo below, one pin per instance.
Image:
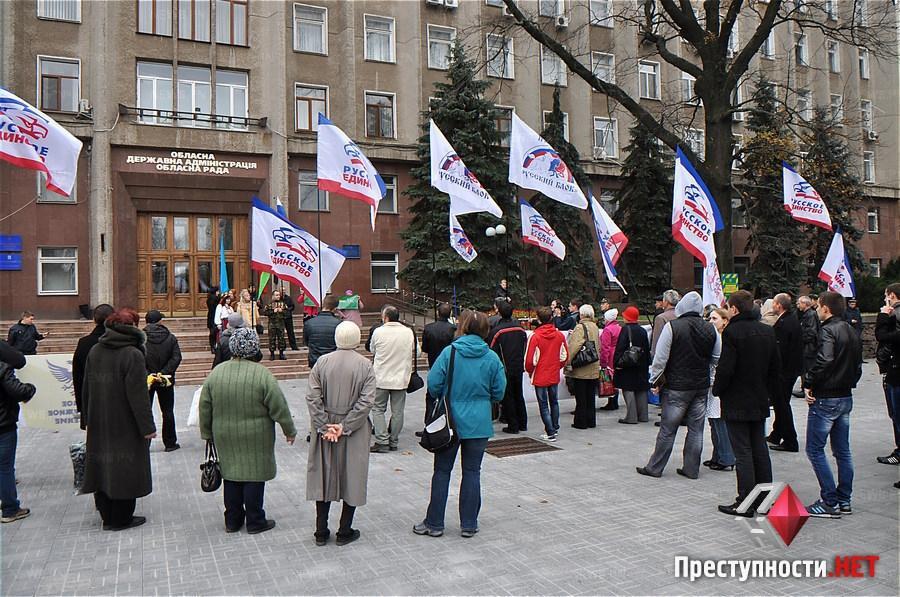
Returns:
(341, 394)
(585, 377)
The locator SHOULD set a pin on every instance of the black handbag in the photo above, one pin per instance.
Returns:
(416, 382)
(631, 357)
(440, 432)
(588, 352)
(210, 473)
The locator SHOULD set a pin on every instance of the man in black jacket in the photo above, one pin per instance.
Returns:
(809, 328)
(748, 374)
(12, 392)
(289, 319)
(11, 356)
(23, 336)
(436, 336)
(318, 331)
(829, 384)
(163, 357)
(790, 347)
(84, 346)
(508, 340)
(887, 332)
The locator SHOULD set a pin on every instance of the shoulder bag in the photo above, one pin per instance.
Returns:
(587, 354)
(211, 474)
(416, 382)
(632, 356)
(440, 433)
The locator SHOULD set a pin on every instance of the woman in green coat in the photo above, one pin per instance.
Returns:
(239, 405)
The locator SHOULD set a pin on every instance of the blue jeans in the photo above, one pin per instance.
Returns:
(830, 417)
(469, 487)
(8, 495)
(549, 405)
(722, 451)
(892, 398)
(678, 405)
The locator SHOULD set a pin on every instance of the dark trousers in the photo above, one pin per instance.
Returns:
(585, 403)
(514, 403)
(347, 513)
(751, 455)
(892, 399)
(166, 398)
(783, 426)
(8, 496)
(213, 337)
(115, 513)
(289, 329)
(244, 501)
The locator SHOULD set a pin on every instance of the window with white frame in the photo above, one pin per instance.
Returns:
(545, 118)
(57, 270)
(440, 42)
(231, 99)
(737, 98)
(606, 136)
(694, 139)
(648, 73)
(768, 46)
(504, 124)
(804, 106)
(873, 220)
(310, 101)
(737, 158)
(734, 40)
(553, 70)
(59, 10)
(384, 271)
(194, 89)
(608, 202)
(836, 106)
(869, 167)
(380, 115)
(155, 17)
(834, 56)
(310, 29)
(231, 22)
(311, 198)
(550, 8)
(601, 13)
(497, 3)
(688, 93)
(499, 56)
(379, 38)
(604, 66)
(830, 9)
(44, 195)
(875, 267)
(738, 215)
(194, 19)
(801, 49)
(388, 203)
(60, 84)
(154, 92)
(863, 63)
(861, 12)
(866, 115)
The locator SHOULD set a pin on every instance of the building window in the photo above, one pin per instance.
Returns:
(388, 203)
(688, 93)
(504, 124)
(609, 203)
(866, 115)
(604, 66)
(193, 19)
(60, 84)
(440, 40)
(565, 120)
(154, 92)
(737, 98)
(231, 22)
(45, 195)
(57, 270)
(875, 267)
(737, 157)
(311, 101)
(59, 10)
(231, 99)
(606, 136)
(863, 63)
(804, 107)
(649, 79)
(550, 8)
(768, 46)
(379, 40)
(311, 198)
(380, 115)
(830, 11)
(496, 3)
(873, 220)
(500, 57)
(553, 70)
(310, 29)
(734, 40)
(861, 12)
(834, 57)
(869, 167)
(837, 109)
(801, 49)
(384, 272)
(698, 275)
(155, 17)
(194, 91)
(695, 140)
(601, 13)
(738, 217)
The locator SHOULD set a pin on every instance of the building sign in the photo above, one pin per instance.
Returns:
(11, 243)
(191, 162)
(729, 284)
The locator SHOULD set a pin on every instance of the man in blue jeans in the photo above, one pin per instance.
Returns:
(12, 392)
(829, 384)
(887, 332)
(545, 355)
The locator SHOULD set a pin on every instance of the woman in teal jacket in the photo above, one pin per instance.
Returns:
(478, 379)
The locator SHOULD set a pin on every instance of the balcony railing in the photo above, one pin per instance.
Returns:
(192, 119)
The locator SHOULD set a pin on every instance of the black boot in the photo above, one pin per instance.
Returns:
(272, 355)
(281, 356)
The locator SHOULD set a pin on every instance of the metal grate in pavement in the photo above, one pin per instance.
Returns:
(517, 446)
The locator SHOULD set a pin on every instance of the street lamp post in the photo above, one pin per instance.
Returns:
(500, 230)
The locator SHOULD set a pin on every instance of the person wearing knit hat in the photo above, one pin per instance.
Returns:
(633, 379)
(631, 314)
(338, 458)
(223, 350)
(243, 343)
(608, 339)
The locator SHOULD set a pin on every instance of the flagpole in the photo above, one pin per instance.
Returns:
(319, 240)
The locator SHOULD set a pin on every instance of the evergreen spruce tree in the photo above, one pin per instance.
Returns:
(468, 120)
(644, 214)
(776, 240)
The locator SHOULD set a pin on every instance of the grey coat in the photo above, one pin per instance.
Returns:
(341, 390)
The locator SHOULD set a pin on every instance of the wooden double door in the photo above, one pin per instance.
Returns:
(178, 259)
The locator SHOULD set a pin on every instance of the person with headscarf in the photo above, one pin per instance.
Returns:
(240, 402)
(338, 460)
(608, 339)
(768, 313)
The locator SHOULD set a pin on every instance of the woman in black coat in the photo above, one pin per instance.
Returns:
(634, 381)
(212, 301)
(119, 422)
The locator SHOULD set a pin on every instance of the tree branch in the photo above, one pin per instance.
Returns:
(741, 62)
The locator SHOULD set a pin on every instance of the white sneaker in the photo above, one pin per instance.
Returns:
(548, 438)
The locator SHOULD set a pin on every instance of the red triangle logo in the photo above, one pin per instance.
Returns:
(788, 515)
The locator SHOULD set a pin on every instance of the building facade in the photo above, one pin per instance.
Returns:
(188, 108)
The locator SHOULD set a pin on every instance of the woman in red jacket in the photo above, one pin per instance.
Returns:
(545, 355)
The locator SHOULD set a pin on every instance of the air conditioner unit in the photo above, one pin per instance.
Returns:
(599, 153)
(872, 135)
(84, 105)
(435, 2)
(562, 22)
(451, 3)
(505, 12)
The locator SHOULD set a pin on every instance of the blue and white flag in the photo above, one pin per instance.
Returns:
(534, 164)
(836, 270)
(450, 175)
(695, 215)
(536, 231)
(279, 207)
(610, 235)
(460, 242)
(608, 264)
(802, 201)
(342, 168)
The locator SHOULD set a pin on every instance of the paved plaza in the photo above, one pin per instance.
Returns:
(574, 521)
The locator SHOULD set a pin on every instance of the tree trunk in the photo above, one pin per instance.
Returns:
(718, 166)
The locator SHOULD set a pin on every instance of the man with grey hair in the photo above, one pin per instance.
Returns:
(790, 348)
(394, 346)
(667, 301)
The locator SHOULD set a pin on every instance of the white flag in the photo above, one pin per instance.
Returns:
(31, 139)
(534, 164)
(802, 201)
(713, 293)
(836, 270)
(695, 215)
(610, 235)
(536, 231)
(285, 250)
(608, 264)
(450, 175)
(460, 242)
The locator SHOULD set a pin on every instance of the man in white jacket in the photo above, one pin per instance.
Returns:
(393, 345)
